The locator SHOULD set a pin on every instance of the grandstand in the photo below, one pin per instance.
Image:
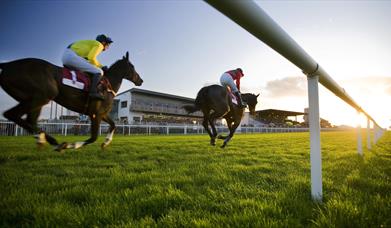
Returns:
(284, 118)
(144, 106)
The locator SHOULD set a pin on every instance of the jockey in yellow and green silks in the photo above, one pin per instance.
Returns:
(82, 56)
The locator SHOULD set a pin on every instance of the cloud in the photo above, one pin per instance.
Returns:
(286, 87)
(388, 90)
(374, 85)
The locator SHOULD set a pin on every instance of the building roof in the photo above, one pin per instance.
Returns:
(149, 92)
(279, 112)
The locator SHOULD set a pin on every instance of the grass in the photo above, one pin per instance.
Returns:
(259, 180)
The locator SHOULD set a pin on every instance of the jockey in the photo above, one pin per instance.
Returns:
(82, 56)
(227, 80)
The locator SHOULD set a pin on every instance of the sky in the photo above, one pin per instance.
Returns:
(178, 47)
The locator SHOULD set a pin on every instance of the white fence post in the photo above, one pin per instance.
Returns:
(315, 151)
(368, 134)
(375, 134)
(359, 138)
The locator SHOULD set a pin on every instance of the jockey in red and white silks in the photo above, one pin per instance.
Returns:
(228, 80)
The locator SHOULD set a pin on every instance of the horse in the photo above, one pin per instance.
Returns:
(215, 102)
(35, 82)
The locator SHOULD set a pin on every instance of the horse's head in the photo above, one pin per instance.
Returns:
(251, 100)
(127, 70)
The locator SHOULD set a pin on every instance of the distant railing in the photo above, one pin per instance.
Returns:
(11, 129)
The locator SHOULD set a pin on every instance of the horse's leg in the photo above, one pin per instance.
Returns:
(212, 125)
(32, 119)
(109, 136)
(15, 115)
(32, 110)
(232, 130)
(229, 125)
(30, 123)
(205, 124)
(95, 122)
(212, 120)
(42, 137)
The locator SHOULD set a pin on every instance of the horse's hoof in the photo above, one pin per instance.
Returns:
(221, 137)
(223, 146)
(61, 147)
(40, 146)
(103, 146)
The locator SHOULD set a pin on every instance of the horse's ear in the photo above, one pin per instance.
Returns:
(127, 55)
(258, 95)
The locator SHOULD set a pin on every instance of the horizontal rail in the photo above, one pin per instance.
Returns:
(255, 20)
(11, 129)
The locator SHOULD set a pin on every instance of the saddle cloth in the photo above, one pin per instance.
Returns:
(234, 99)
(75, 79)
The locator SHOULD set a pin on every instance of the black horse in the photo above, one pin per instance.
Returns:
(215, 101)
(35, 82)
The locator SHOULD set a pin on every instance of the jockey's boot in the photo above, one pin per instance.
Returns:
(241, 104)
(93, 88)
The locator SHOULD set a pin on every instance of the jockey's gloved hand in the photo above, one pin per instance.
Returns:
(105, 69)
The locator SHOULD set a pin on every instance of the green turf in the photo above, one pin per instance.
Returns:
(259, 180)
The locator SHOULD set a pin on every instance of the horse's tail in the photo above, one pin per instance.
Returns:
(201, 96)
(191, 108)
(1, 70)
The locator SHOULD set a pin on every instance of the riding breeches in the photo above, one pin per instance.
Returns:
(226, 80)
(70, 58)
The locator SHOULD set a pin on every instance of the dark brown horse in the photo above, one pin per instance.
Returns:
(35, 82)
(214, 101)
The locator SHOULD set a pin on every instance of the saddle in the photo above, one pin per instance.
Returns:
(82, 81)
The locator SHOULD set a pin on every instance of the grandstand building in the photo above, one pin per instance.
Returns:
(284, 118)
(143, 106)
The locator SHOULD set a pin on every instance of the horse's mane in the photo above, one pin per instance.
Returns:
(116, 63)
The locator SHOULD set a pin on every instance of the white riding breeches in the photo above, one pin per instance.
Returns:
(70, 58)
(226, 80)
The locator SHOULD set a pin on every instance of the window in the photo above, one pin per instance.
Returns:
(124, 104)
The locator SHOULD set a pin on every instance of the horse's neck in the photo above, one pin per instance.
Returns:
(246, 96)
(115, 81)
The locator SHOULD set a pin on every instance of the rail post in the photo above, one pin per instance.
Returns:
(315, 150)
(359, 138)
(369, 146)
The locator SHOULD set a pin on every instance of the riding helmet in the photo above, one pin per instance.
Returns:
(103, 38)
(240, 70)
